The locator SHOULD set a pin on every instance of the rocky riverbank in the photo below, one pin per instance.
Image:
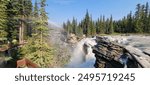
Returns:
(109, 51)
(116, 53)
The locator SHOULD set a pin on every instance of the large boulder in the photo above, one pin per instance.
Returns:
(109, 54)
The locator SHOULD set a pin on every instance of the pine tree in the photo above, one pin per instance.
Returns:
(3, 19)
(129, 27)
(148, 29)
(79, 31)
(69, 27)
(74, 26)
(124, 24)
(111, 28)
(28, 12)
(107, 26)
(37, 49)
(101, 25)
(35, 17)
(36, 10)
(92, 29)
(142, 20)
(138, 18)
(97, 26)
(146, 21)
(86, 24)
(13, 20)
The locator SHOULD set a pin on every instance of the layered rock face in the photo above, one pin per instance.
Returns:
(72, 38)
(112, 55)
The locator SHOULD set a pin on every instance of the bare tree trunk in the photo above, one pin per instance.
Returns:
(22, 29)
(41, 43)
(20, 33)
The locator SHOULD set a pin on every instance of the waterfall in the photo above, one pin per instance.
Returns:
(82, 55)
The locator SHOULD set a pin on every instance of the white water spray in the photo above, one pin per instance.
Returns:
(82, 56)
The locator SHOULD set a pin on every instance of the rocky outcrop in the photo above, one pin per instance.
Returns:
(72, 38)
(147, 51)
(112, 55)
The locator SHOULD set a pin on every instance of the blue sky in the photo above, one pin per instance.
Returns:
(60, 11)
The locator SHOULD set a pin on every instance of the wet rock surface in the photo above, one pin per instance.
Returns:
(147, 51)
(112, 55)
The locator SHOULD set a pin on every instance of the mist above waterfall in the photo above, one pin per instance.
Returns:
(82, 55)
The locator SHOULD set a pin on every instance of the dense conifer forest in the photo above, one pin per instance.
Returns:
(133, 22)
(24, 31)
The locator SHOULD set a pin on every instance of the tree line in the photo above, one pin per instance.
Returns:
(25, 24)
(138, 22)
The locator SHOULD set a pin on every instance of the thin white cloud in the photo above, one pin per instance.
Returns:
(63, 2)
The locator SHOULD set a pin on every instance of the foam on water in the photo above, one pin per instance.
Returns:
(83, 56)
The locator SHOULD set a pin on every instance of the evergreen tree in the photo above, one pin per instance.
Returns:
(74, 26)
(117, 27)
(36, 10)
(102, 25)
(35, 17)
(111, 28)
(148, 29)
(69, 27)
(138, 18)
(129, 27)
(124, 25)
(13, 20)
(86, 29)
(28, 11)
(147, 9)
(79, 31)
(142, 20)
(107, 26)
(92, 29)
(146, 20)
(3, 19)
(37, 49)
(97, 26)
